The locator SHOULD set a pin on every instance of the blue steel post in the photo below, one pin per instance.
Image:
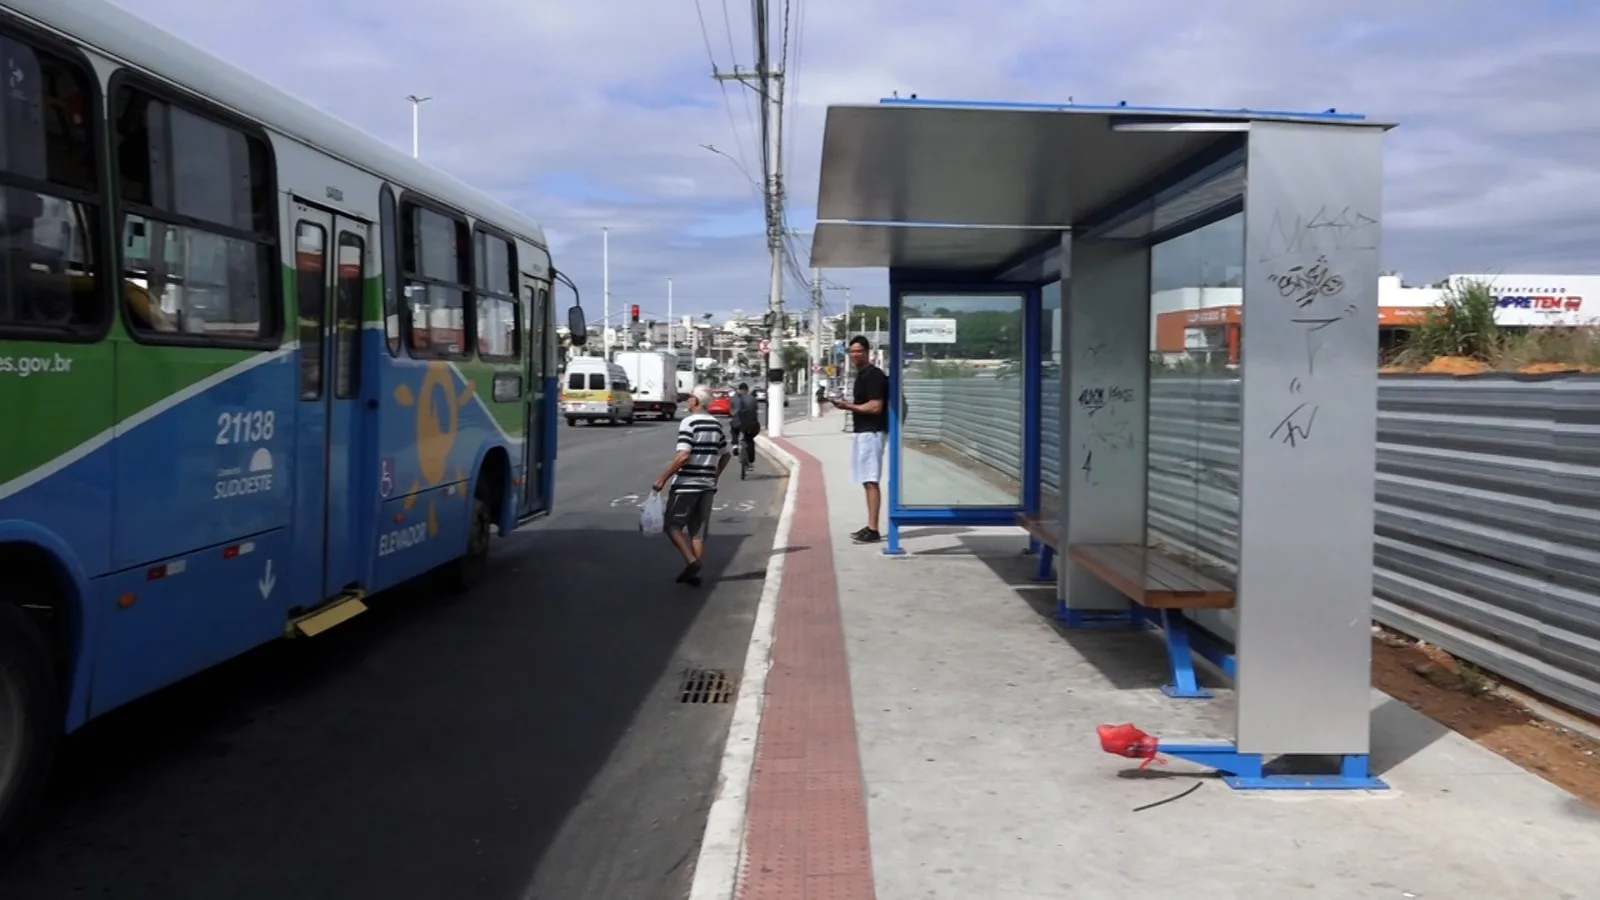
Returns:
(892, 368)
(1032, 391)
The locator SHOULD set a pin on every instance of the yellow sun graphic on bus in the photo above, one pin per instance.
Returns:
(438, 408)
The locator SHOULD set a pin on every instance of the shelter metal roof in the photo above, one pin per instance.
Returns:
(959, 185)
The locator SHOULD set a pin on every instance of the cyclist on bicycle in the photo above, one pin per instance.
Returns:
(745, 422)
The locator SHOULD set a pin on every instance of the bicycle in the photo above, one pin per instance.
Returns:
(745, 446)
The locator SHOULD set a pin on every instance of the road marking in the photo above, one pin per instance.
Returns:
(626, 500)
(716, 872)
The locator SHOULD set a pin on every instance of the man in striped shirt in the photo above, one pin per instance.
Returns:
(694, 470)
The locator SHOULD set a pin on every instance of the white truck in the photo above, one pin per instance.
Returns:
(686, 376)
(653, 376)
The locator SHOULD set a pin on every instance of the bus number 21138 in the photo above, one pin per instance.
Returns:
(245, 427)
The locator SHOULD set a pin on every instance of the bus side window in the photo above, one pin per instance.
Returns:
(390, 237)
(435, 252)
(51, 200)
(499, 315)
(546, 331)
(347, 315)
(199, 227)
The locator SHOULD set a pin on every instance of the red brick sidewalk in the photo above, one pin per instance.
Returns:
(806, 823)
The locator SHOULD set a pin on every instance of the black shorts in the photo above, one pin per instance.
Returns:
(690, 512)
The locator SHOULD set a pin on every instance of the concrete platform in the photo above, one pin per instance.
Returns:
(983, 777)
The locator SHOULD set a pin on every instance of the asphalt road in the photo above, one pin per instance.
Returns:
(525, 740)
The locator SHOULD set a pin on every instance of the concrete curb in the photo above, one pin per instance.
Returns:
(716, 870)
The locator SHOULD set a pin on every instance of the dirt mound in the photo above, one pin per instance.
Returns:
(1454, 365)
(1548, 368)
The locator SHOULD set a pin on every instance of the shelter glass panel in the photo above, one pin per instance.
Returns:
(1050, 401)
(961, 375)
(1192, 483)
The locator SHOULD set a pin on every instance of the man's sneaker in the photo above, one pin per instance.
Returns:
(866, 536)
(860, 533)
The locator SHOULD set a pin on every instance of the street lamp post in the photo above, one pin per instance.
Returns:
(605, 292)
(416, 118)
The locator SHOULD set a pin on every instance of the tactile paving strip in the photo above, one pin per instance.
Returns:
(806, 824)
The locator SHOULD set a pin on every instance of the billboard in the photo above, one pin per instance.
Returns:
(930, 331)
(1523, 301)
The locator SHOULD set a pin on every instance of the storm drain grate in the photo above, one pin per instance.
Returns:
(706, 686)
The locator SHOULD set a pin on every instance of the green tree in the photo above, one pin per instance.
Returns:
(795, 362)
(861, 320)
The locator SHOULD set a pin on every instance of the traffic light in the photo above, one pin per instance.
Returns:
(634, 312)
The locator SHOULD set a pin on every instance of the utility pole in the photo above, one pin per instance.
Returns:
(416, 121)
(671, 347)
(816, 343)
(848, 305)
(775, 247)
(848, 384)
(768, 83)
(605, 292)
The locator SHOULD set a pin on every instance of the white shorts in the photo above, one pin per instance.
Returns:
(866, 458)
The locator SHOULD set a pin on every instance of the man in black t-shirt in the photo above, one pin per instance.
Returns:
(870, 404)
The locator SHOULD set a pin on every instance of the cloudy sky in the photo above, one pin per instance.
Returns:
(592, 114)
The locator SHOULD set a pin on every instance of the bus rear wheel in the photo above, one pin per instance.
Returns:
(30, 718)
(469, 570)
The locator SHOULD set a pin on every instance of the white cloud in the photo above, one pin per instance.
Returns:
(591, 115)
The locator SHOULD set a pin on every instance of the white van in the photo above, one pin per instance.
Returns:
(593, 390)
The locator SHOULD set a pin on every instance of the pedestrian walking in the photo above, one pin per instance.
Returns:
(702, 454)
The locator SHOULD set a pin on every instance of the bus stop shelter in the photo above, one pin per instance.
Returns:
(1030, 249)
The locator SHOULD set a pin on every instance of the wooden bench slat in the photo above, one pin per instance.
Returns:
(1038, 529)
(1207, 592)
(1151, 578)
(1191, 601)
(1111, 567)
(1179, 574)
(1163, 579)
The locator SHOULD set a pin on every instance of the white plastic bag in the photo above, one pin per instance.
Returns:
(652, 514)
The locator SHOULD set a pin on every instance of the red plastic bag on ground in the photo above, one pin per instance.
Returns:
(1128, 741)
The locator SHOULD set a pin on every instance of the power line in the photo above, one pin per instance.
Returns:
(733, 55)
(727, 102)
(768, 84)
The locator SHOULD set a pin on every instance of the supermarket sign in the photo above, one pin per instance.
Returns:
(1532, 301)
(1542, 302)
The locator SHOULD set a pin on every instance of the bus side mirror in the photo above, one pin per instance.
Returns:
(577, 326)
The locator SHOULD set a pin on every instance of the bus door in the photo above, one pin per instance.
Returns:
(330, 521)
(536, 296)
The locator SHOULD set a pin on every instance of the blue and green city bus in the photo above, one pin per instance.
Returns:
(255, 365)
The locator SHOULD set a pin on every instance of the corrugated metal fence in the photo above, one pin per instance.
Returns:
(982, 417)
(1488, 504)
